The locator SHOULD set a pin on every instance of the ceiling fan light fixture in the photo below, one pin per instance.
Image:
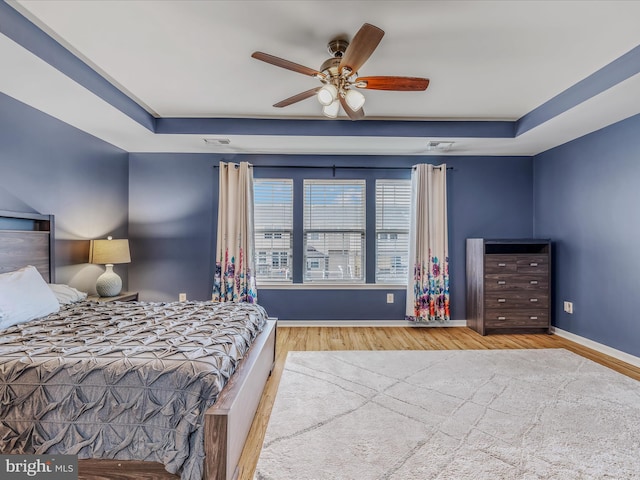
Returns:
(327, 94)
(354, 99)
(332, 109)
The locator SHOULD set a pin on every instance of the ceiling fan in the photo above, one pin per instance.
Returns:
(339, 75)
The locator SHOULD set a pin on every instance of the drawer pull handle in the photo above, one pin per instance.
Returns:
(502, 282)
(502, 264)
(533, 299)
(533, 264)
(502, 318)
(502, 300)
(533, 318)
(533, 282)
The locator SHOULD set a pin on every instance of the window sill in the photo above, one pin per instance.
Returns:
(331, 286)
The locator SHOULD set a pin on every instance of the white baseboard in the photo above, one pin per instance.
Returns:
(367, 323)
(599, 347)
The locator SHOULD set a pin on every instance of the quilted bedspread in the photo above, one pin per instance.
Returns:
(121, 380)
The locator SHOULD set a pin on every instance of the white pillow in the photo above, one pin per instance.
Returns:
(24, 295)
(66, 294)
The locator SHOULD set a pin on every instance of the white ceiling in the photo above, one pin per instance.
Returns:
(487, 60)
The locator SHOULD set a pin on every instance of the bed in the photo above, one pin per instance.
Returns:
(131, 388)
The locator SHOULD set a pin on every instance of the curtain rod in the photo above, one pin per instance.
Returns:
(335, 167)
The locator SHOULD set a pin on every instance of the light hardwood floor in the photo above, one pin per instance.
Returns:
(394, 338)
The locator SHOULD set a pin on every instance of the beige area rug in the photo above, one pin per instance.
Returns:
(475, 414)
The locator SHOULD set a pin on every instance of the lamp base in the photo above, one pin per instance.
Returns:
(109, 284)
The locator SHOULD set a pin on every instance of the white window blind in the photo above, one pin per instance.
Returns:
(334, 230)
(393, 208)
(273, 228)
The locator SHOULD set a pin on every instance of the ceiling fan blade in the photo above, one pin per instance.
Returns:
(353, 114)
(281, 62)
(361, 47)
(296, 98)
(407, 84)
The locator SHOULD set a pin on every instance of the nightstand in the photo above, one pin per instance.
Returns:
(122, 297)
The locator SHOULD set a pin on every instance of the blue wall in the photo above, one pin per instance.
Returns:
(49, 167)
(586, 200)
(173, 204)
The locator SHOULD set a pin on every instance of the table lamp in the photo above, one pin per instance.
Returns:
(109, 252)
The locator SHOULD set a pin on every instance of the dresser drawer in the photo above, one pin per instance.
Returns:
(533, 264)
(496, 264)
(516, 299)
(516, 318)
(496, 282)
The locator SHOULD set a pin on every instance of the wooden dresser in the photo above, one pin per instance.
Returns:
(508, 285)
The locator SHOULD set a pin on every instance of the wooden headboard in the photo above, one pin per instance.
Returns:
(27, 239)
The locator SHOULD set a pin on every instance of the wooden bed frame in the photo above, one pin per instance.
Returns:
(28, 239)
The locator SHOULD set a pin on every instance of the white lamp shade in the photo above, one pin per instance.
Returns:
(327, 94)
(354, 99)
(109, 252)
(332, 109)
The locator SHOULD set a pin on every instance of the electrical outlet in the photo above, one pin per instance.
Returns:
(182, 297)
(389, 297)
(568, 307)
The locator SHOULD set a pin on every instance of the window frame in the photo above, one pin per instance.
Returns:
(354, 272)
(297, 263)
(271, 240)
(391, 234)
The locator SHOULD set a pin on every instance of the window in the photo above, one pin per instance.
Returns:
(334, 230)
(273, 235)
(393, 209)
(279, 259)
(273, 220)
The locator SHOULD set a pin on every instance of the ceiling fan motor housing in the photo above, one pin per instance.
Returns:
(330, 67)
(337, 47)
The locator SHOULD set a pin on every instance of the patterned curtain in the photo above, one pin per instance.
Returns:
(428, 287)
(234, 279)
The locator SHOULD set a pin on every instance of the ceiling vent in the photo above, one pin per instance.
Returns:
(439, 146)
(217, 141)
